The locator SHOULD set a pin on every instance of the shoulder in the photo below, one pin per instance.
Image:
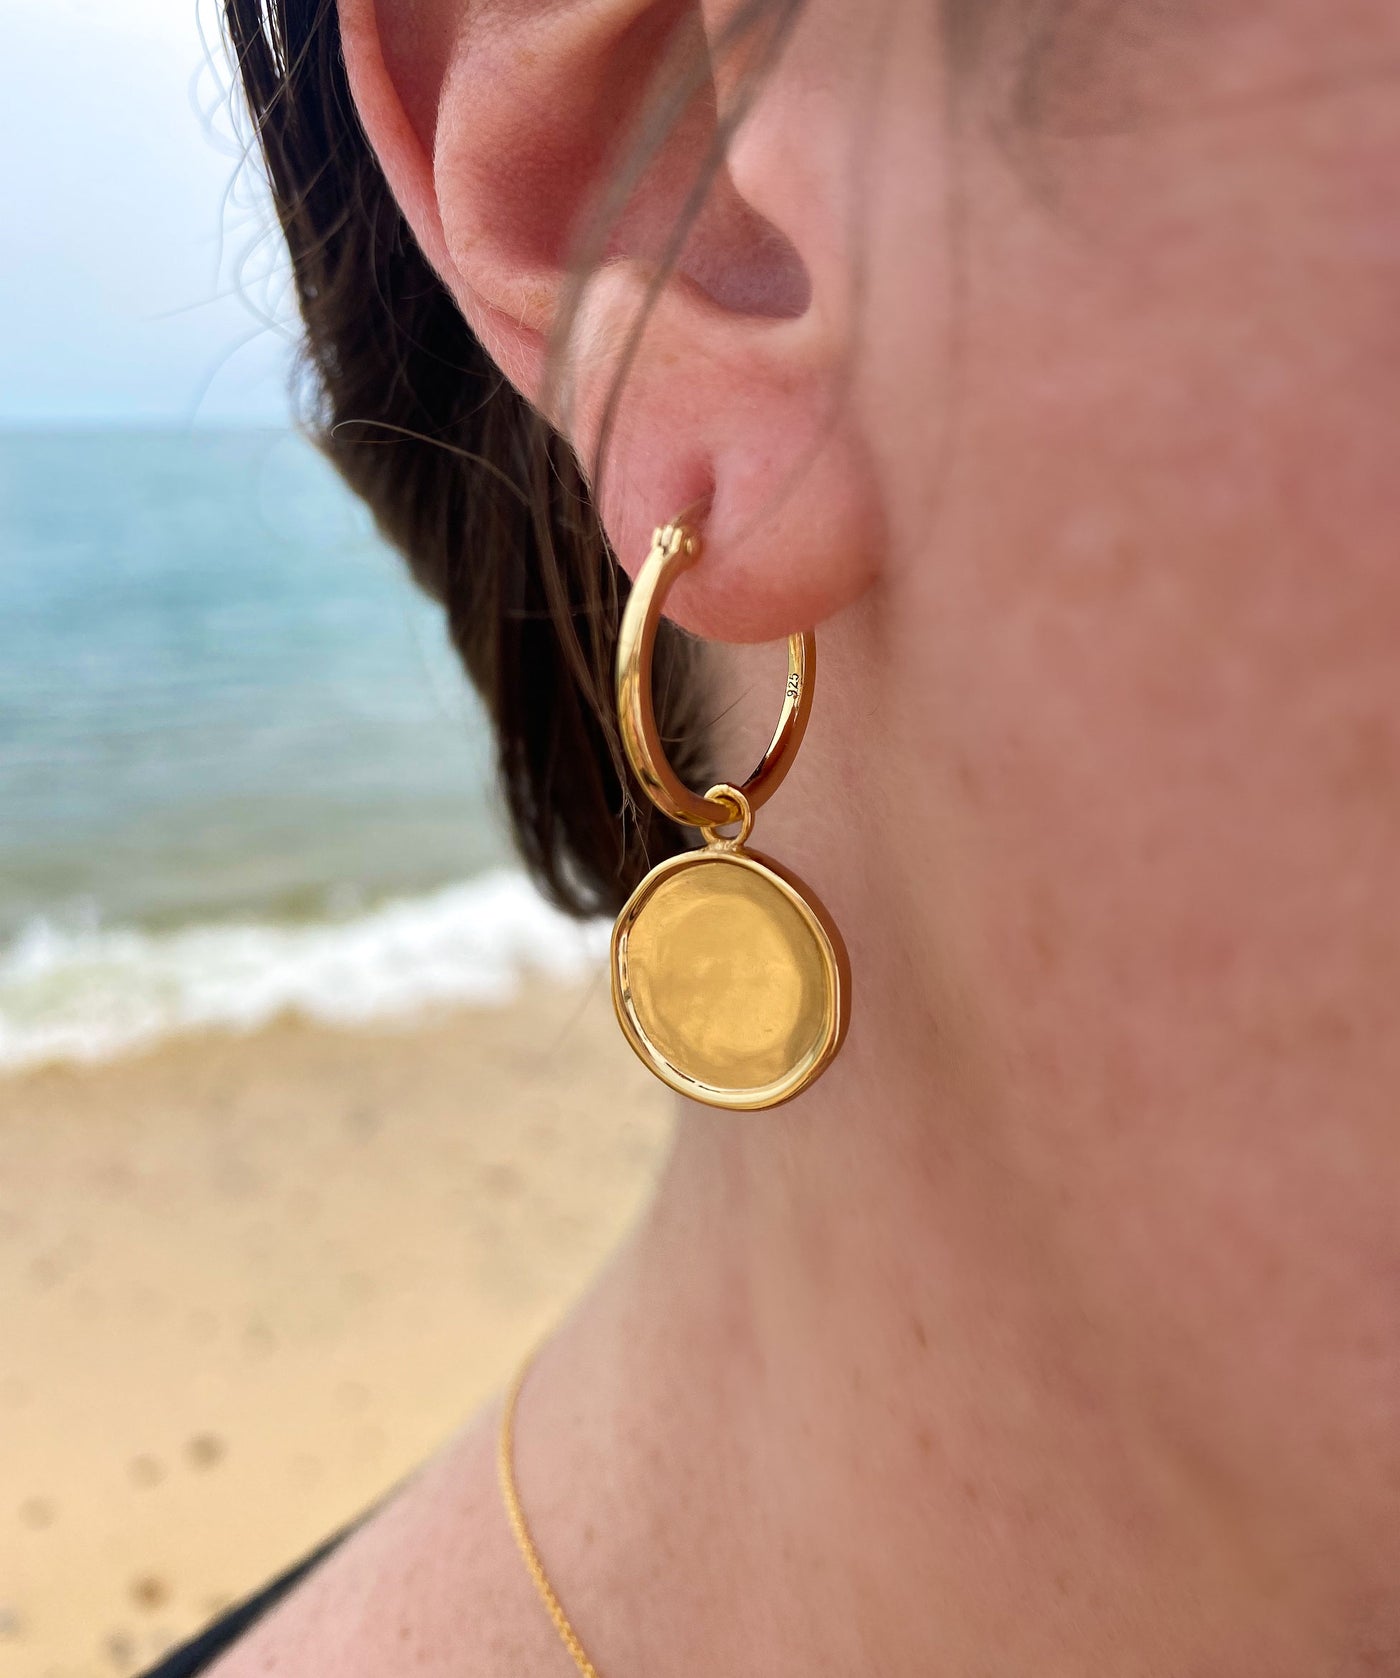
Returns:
(430, 1585)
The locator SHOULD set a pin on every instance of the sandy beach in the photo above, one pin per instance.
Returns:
(246, 1283)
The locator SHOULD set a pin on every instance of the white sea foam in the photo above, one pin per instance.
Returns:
(86, 995)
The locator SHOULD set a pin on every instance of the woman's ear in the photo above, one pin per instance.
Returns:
(504, 128)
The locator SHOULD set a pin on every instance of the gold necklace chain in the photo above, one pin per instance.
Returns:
(515, 1514)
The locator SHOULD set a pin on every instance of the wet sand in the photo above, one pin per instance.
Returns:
(247, 1283)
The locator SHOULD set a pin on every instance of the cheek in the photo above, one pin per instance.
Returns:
(1162, 569)
(1153, 647)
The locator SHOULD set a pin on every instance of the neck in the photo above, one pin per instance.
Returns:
(853, 1420)
(860, 1395)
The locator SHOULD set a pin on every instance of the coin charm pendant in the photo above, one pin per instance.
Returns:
(729, 979)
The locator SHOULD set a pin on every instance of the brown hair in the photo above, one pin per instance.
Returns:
(486, 503)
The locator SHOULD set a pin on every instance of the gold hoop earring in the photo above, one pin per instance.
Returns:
(729, 979)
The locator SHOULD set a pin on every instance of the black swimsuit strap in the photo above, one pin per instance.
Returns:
(197, 1656)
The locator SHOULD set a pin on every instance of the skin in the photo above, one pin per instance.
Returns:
(1057, 1330)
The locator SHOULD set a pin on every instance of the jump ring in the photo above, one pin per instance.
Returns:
(740, 810)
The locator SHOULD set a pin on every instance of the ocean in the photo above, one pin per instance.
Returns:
(241, 772)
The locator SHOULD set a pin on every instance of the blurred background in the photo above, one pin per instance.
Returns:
(303, 1135)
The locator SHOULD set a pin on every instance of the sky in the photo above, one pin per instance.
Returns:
(136, 264)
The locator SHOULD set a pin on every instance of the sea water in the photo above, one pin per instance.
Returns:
(241, 772)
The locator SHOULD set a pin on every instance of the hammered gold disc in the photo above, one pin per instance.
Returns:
(728, 979)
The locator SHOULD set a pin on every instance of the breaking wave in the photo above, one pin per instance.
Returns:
(88, 993)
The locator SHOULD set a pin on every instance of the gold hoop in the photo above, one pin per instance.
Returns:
(674, 549)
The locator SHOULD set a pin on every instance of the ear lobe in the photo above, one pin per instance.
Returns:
(499, 139)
